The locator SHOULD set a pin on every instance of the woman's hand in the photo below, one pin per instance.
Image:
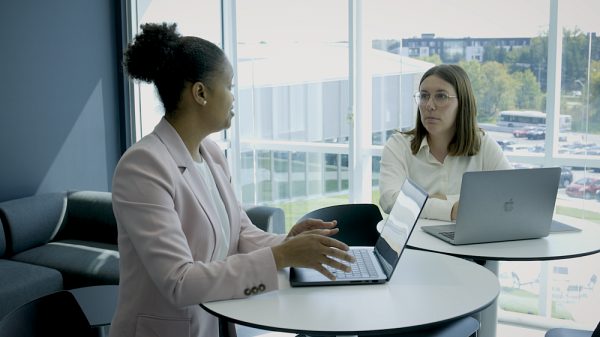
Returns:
(312, 249)
(312, 224)
(454, 213)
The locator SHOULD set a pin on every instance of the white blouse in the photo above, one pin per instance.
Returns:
(398, 162)
(209, 181)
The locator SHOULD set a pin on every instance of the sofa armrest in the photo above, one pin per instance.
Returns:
(269, 219)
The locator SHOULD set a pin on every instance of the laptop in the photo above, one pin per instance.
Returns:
(502, 205)
(374, 264)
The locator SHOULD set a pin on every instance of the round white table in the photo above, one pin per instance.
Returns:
(426, 290)
(553, 247)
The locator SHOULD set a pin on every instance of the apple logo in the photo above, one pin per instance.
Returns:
(508, 206)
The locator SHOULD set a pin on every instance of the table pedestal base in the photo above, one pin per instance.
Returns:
(489, 316)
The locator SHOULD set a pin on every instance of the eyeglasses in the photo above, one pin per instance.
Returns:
(439, 98)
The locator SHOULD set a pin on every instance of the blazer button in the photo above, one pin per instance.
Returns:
(247, 292)
(254, 290)
(261, 287)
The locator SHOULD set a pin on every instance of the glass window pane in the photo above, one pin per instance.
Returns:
(293, 87)
(185, 13)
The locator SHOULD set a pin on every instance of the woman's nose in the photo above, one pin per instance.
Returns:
(430, 104)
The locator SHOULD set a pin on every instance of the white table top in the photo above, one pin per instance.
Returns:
(554, 246)
(426, 289)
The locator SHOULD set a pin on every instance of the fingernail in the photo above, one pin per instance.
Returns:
(348, 269)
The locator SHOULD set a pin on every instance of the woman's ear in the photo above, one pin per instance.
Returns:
(199, 93)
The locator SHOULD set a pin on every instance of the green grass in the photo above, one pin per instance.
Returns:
(296, 209)
(576, 213)
(521, 301)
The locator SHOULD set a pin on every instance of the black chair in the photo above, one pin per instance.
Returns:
(357, 222)
(56, 314)
(563, 332)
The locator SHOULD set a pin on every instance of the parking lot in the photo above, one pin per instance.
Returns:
(562, 198)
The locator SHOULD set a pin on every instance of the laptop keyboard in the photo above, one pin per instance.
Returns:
(363, 267)
(449, 235)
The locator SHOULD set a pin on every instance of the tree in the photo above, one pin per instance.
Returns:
(435, 59)
(500, 92)
(494, 88)
(528, 94)
(489, 51)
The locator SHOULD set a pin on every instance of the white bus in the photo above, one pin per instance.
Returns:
(530, 118)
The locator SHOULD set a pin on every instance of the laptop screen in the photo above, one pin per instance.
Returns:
(399, 225)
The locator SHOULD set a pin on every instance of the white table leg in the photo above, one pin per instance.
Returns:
(489, 316)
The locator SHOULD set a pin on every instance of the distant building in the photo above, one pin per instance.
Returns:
(452, 50)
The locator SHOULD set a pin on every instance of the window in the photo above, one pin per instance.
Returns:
(295, 94)
(148, 108)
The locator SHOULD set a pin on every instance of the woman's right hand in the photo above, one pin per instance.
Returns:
(312, 249)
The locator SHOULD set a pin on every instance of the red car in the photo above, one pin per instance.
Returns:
(584, 187)
(520, 133)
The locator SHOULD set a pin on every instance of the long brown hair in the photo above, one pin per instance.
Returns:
(467, 140)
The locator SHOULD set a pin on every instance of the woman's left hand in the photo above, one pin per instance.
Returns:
(312, 224)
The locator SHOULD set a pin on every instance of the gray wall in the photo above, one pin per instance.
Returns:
(59, 98)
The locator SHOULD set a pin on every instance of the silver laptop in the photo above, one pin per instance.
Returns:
(502, 205)
(375, 264)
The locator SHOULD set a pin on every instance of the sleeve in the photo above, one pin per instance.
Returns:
(253, 238)
(438, 209)
(143, 201)
(394, 169)
(493, 156)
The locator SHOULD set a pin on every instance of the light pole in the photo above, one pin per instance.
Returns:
(582, 96)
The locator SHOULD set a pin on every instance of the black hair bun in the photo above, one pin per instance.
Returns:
(151, 55)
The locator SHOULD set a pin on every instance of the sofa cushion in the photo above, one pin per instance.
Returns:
(90, 217)
(2, 240)
(33, 221)
(81, 263)
(22, 282)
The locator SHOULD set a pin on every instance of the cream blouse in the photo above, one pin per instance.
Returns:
(398, 162)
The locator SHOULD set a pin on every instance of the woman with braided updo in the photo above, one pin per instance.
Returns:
(183, 236)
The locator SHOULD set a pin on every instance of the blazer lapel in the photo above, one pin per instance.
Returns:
(184, 161)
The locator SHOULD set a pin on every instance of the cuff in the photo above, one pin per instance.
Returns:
(438, 209)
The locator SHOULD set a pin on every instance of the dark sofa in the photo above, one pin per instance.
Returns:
(68, 240)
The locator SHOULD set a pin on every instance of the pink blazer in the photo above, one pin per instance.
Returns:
(169, 232)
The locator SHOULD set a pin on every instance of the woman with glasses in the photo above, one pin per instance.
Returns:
(445, 143)
(183, 236)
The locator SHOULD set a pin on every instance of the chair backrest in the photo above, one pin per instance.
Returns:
(357, 222)
(56, 314)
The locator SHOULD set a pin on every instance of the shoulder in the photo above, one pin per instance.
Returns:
(399, 140)
(147, 156)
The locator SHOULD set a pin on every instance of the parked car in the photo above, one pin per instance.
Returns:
(517, 148)
(562, 136)
(538, 148)
(566, 176)
(583, 188)
(590, 151)
(537, 133)
(520, 133)
(504, 143)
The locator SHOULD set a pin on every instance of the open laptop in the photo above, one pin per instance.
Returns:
(375, 264)
(502, 205)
